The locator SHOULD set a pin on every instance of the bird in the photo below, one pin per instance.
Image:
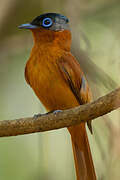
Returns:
(58, 81)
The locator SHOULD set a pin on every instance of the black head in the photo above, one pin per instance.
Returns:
(50, 21)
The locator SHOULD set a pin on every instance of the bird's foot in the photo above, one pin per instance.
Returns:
(54, 112)
(37, 116)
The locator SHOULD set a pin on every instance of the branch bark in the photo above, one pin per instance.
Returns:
(62, 119)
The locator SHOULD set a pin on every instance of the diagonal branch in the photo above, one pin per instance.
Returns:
(62, 119)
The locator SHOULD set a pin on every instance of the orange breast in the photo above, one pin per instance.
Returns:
(47, 82)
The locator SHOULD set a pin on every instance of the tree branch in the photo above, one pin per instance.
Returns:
(62, 119)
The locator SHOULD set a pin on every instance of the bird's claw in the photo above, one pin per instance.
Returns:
(37, 116)
(57, 111)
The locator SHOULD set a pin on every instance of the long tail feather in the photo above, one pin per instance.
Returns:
(82, 154)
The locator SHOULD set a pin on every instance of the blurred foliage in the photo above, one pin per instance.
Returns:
(96, 33)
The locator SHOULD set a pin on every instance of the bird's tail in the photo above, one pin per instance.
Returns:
(82, 154)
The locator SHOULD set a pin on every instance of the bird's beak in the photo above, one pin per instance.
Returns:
(27, 26)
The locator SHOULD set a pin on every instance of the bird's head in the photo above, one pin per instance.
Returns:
(49, 27)
(49, 21)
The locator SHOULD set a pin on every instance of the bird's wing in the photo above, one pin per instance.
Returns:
(74, 77)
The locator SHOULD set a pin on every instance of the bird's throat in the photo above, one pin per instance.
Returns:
(61, 39)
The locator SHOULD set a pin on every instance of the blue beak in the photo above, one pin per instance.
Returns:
(27, 26)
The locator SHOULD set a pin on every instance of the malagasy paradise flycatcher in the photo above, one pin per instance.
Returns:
(58, 81)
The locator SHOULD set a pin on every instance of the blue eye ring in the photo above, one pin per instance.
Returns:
(49, 21)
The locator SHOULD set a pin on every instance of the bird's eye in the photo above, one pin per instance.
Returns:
(47, 22)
